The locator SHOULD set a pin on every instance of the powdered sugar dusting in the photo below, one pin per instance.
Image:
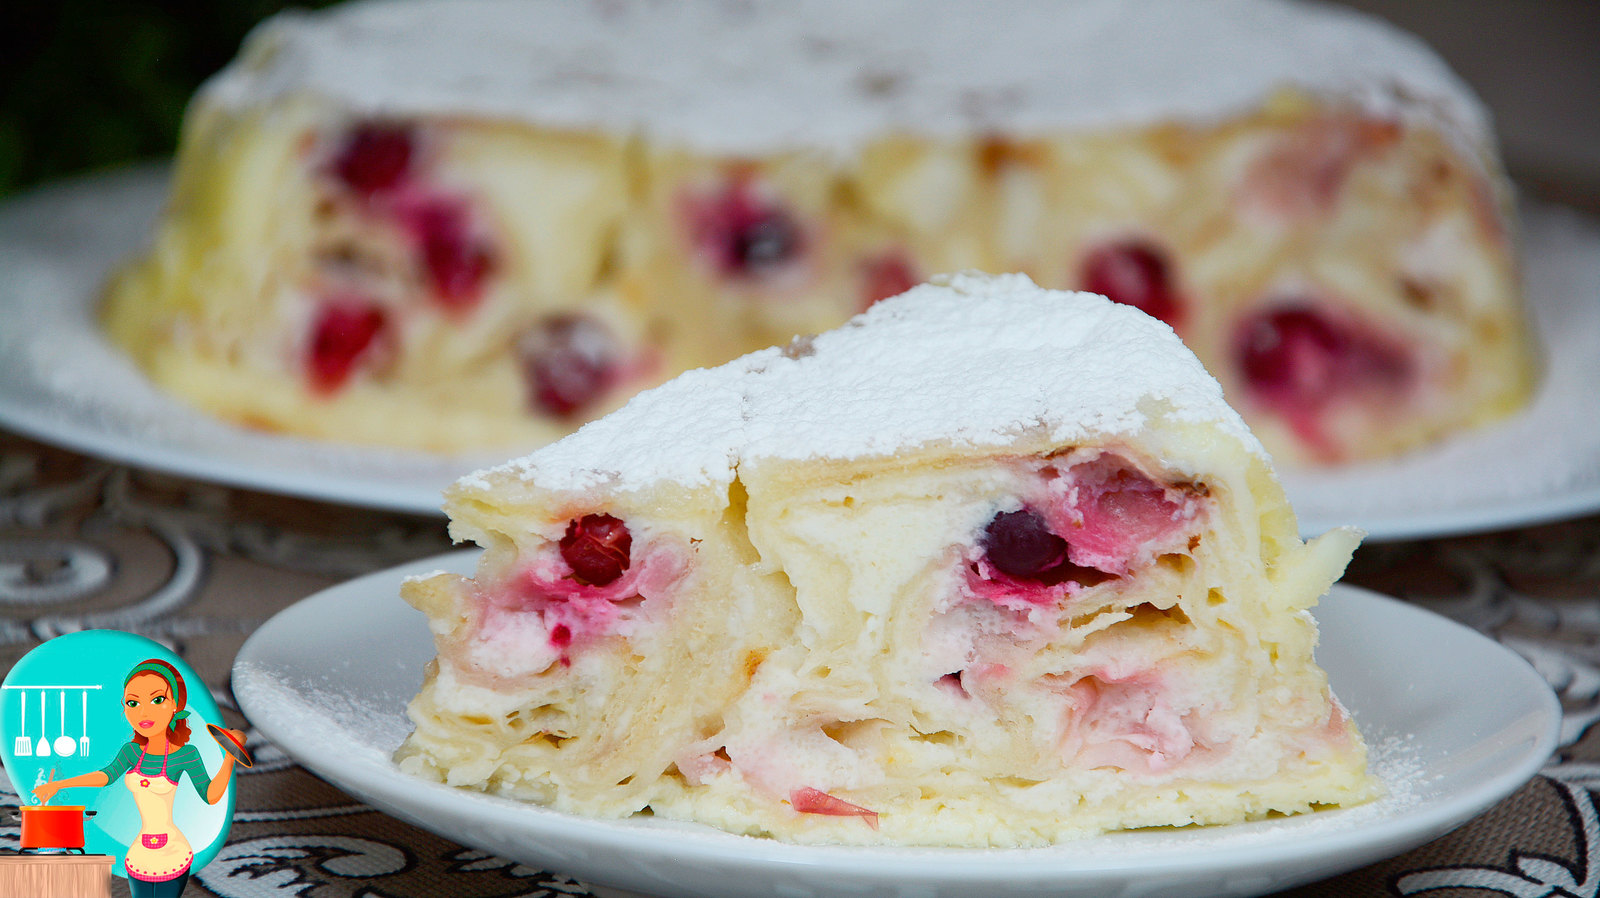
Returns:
(741, 76)
(684, 430)
(333, 717)
(970, 360)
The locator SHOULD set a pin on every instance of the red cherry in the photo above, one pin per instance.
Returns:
(1295, 357)
(1020, 544)
(885, 276)
(1134, 274)
(568, 362)
(374, 158)
(596, 547)
(455, 260)
(744, 234)
(344, 331)
(767, 240)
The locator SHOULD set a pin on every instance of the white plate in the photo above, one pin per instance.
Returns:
(62, 382)
(1456, 722)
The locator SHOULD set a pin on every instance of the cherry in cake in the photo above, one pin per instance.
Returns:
(1134, 273)
(374, 158)
(596, 547)
(1301, 360)
(743, 231)
(456, 260)
(1020, 544)
(885, 275)
(347, 332)
(570, 362)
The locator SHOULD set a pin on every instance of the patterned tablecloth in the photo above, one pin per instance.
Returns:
(86, 544)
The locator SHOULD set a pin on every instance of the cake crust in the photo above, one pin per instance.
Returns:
(902, 583)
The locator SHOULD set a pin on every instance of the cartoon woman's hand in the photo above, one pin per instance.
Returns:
(46, 792)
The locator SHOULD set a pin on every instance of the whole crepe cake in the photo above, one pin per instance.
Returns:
(462, 225)
(989, 565)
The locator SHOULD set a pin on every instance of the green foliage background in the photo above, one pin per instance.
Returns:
(86, 84)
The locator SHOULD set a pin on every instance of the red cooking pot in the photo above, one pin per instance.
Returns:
(53, 826)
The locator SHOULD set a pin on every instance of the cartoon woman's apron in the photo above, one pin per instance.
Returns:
(160, 852)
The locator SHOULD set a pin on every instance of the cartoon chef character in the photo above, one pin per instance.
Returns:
(153, 699)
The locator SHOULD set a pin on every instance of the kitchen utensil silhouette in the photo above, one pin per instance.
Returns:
(83, 741)
(23, 746)
(65, 745)
(42, 747)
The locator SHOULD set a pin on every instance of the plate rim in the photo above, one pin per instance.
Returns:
(1325, 851)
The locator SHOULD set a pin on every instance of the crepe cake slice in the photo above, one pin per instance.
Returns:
(990, 565)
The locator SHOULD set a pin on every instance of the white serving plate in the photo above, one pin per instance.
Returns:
(1456, 723)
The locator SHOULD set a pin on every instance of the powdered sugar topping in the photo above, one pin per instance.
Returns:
(970, 360)
(743, 76)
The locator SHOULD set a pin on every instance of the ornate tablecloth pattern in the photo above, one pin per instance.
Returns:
(86, 544)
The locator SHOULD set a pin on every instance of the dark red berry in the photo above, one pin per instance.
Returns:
(885, 276)
(374, 158)
(1134, 274)
(766, 241)
(568, 362)
(1020, 544)
(1296, 357)
(455, 260)
(343, 332)
(596, 547)
(743, 234)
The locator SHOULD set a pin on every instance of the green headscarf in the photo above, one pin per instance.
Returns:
(164, 673)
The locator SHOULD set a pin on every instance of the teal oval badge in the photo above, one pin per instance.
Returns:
(117, 723)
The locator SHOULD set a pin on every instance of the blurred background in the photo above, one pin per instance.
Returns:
(87, 84)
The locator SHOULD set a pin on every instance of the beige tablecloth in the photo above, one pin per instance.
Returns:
(198, 567)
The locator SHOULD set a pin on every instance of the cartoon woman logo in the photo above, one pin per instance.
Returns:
(151, 765)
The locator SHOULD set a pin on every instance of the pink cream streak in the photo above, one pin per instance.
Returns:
(1301, 176)
(1125, 721)
(1128, 720)
(1113, 519)
(571, 614)
(1116, 520)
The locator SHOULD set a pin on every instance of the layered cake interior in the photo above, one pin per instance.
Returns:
(990, 565)
(468, 225)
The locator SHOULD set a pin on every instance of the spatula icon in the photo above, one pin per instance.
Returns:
(23, 746)
(42, 747)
